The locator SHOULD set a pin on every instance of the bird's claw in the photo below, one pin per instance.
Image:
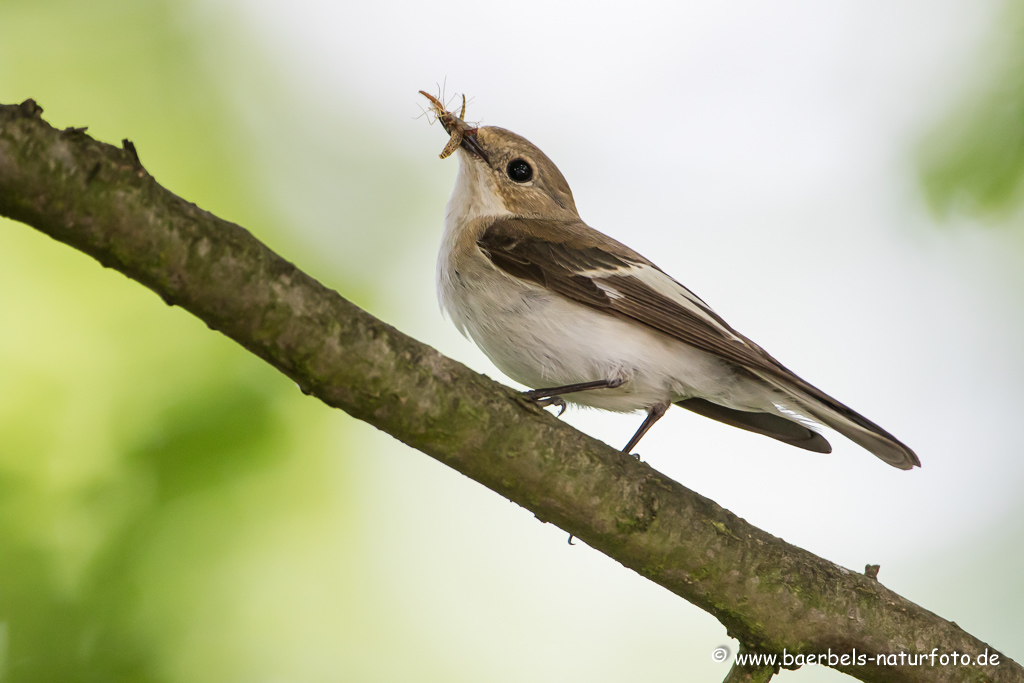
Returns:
(556, 401)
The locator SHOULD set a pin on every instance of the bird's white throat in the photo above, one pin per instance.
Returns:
(474, 195)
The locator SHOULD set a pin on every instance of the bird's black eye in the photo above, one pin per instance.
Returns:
(519, 170)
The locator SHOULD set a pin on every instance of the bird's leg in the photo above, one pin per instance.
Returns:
(573, 388)
(552, 396)
(653, 415)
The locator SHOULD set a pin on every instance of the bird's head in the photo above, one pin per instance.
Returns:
(501, 173)
(515, 174)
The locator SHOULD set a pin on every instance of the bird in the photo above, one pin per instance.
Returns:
(579, 317)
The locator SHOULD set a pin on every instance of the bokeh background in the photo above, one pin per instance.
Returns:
(841, 181)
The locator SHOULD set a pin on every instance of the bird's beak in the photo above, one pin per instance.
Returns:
(461, 133)
(472, 145)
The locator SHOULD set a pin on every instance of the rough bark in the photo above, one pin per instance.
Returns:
(770, 595)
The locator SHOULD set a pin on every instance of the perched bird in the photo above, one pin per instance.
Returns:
(574, 314)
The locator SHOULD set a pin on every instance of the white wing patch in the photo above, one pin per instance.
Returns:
(606, 288)
(663, 285)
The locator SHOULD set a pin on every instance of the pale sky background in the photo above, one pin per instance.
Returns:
(763, 154)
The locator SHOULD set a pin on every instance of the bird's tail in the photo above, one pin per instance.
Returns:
(784, 429)
(822, 408)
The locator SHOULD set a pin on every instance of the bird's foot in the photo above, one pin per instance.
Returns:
(546, 401)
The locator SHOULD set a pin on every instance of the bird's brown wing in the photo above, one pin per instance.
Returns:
(581, 264)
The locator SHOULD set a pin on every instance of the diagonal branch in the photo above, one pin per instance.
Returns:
(770, 595)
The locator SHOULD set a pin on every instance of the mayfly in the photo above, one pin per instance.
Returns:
(454, 125)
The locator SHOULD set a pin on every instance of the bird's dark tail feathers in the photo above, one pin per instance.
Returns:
(775, 426)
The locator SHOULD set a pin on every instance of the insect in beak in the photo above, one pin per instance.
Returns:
(461, 134)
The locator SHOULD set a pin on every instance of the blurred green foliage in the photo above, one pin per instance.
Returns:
(973, 163)
(140, 454)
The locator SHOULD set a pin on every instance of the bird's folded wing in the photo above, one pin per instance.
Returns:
(588, 267)
(599, 272)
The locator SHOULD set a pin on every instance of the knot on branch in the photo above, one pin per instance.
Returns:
(30, 109)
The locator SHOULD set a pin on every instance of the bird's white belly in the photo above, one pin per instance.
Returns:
(543, 340)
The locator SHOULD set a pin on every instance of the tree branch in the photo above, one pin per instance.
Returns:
(770, 595)
(742, 673)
